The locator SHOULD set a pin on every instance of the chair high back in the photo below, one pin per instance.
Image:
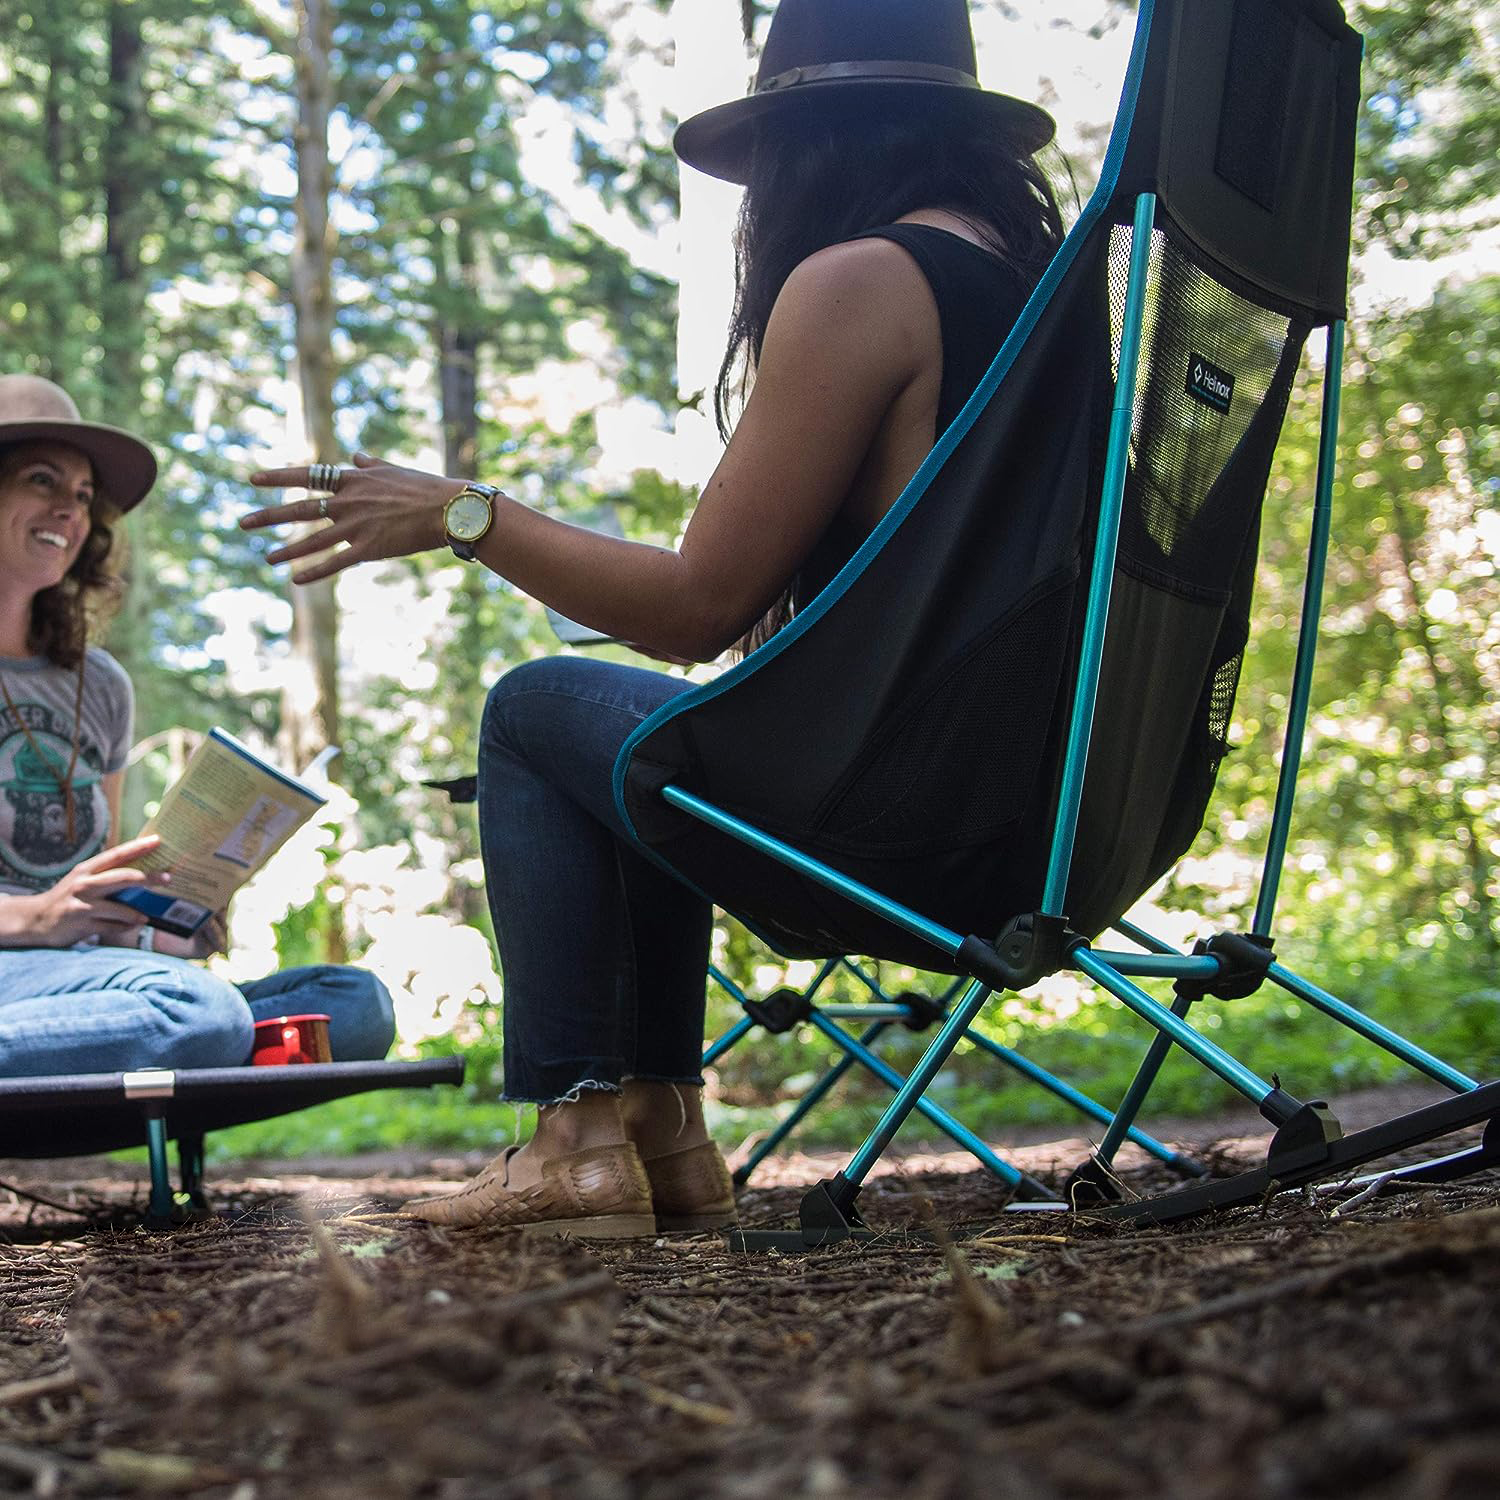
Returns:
(923, 725)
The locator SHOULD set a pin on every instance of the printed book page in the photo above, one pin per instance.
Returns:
(225, 816)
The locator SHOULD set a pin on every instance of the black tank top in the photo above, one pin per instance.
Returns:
(979, 297)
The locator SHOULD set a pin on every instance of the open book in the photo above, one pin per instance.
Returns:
(223, 818)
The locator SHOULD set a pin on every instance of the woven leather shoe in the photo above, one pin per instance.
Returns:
(601, 1193)
(692, 1189)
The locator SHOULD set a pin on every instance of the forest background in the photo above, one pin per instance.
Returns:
(454, 233)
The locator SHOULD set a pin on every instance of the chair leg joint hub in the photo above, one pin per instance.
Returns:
(1028, 949)
(1244, 960)
(780, 1011)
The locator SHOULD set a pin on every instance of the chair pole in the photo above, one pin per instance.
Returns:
(1213, 1057)
(944, 939)
(910, 1092)
(1106, 540)
(1307, 638)
(805, 1105)
(717, 1049)
(160, 1207)
(960, 1134)
(1081, 1102)
(1140, 1086)
(1371, 1030)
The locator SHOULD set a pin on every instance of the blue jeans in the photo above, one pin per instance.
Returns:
(113, 1010)
(604, 954)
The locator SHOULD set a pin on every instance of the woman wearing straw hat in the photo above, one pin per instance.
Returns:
(894, 223)
(84, 986)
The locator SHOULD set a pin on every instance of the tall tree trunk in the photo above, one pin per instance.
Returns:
(122, 305)
(458, 347)
(54, 339)
(310, 710)
(457, 336)
(123, 294)
(310, 701)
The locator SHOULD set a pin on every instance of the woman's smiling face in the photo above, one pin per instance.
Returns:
(46, 511)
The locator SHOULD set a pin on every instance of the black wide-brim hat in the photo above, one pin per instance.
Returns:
(876, 56)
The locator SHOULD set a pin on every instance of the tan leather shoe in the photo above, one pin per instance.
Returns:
(692, 1189)
(601, 1193)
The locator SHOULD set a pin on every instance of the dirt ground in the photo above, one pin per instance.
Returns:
(305, 1343)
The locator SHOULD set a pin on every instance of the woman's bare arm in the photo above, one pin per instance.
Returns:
(853, 327)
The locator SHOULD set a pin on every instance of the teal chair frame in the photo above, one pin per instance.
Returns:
(1307, 1141)
(786, 1009)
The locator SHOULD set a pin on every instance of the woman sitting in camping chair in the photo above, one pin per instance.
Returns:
(894, 224)
(85, 986)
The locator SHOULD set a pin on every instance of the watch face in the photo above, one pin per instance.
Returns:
(467, 517)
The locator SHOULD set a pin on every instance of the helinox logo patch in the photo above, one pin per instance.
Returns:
(1211, 385)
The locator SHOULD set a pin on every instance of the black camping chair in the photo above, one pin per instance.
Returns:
(910, 767)
(787, 1009)
(79, 1114)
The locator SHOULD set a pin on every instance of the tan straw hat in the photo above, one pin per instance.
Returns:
(36, 410)
(877, 56)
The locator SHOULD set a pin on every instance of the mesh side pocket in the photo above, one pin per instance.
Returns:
(1210, 358)
(959, 761)
(1222, 688)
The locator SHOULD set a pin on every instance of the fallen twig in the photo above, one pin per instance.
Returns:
(20, 1391)
(685, 1406)
(1368, 1195)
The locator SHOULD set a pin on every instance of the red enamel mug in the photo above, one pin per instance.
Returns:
(291, 1039)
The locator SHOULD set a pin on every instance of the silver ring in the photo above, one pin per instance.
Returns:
(324, 477)
(323, 506)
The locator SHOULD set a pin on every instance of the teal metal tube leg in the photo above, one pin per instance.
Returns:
(717, 1049)
(805, 1105)
(190, 1167)
(1307, 636)
(161, 1181)
(1106, 539)
(1373, 1031)
(1081, 1102)
(911, 1091)
(940, 1117)
(944, 939)
(1214, 1058)
(1140, 1086)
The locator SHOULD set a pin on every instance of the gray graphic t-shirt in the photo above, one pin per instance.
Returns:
(34, 848)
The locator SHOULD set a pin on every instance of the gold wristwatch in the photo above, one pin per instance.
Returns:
(468, 515)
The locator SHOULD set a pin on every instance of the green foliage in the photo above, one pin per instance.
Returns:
(1430, 132)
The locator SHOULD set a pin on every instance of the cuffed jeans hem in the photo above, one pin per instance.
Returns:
(568, 1096)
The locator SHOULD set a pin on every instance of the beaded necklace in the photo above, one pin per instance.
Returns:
(64, 783)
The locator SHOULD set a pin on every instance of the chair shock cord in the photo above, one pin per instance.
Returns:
(922, 1011)
(1244, 960)
(780, 1011)
(1029, 948)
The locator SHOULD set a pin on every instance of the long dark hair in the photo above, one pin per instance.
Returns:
(64, 616)
(827, 175)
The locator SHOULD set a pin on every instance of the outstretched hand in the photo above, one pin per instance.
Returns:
(378, 510)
